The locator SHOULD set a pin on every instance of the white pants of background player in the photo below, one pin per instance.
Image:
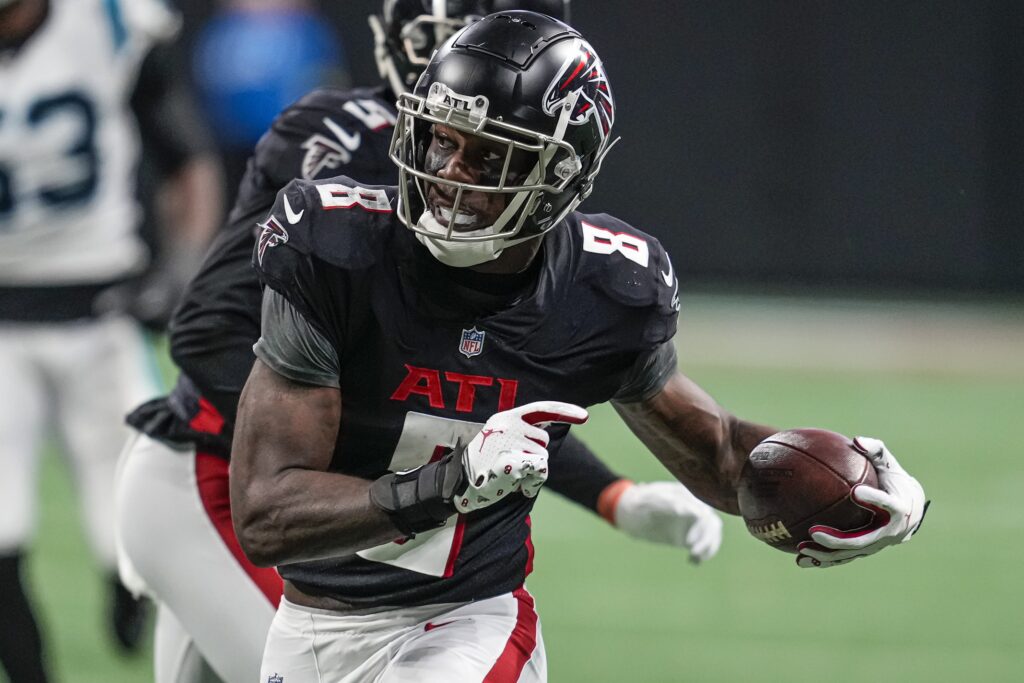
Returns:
(80, 378)
(177, 545)
(496, 640)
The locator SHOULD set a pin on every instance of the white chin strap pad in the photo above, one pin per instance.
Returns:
(456, 254)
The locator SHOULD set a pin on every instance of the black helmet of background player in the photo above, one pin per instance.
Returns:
(536, 91)
(408, 31)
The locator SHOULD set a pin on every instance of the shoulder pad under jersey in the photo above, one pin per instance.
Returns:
(337, 221)
(328, 133)
(629, 267)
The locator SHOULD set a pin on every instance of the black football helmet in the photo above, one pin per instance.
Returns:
(408, 31)
(535, 87)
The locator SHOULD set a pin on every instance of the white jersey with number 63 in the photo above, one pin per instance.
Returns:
(68, 143)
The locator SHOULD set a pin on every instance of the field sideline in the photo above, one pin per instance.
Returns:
(944, 385)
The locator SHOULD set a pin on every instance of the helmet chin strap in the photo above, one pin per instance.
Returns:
(463, 254)
(452, 253)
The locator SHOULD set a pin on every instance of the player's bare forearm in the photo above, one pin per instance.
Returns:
(699, 441)
(284, 504)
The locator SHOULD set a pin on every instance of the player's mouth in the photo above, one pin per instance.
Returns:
(463, 221)
(441, 208)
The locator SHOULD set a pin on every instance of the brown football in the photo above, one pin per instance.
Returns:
(800, 478)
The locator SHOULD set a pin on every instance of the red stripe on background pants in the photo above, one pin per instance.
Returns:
(177, 544)
(212, 483)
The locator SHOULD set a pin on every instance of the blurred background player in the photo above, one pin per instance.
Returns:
(69, 246)
(327, 133)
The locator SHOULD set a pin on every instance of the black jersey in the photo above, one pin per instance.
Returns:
(327, 132)
(424, 361)
(212, 333)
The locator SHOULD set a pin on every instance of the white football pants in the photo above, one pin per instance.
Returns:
(177, 545)
(497, 640)
(80, 377)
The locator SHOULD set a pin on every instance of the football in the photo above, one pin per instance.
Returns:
(800, 478)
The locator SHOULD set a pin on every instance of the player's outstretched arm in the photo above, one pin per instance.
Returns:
(705, 446)
(284, 504)
(698, 440)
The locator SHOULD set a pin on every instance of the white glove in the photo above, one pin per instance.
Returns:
(899, 505)
(510, 453)
(666, 512)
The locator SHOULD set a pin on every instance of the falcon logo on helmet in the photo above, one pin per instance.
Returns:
(584, 75)
(272, 234)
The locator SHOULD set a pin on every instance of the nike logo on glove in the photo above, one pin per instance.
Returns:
(290, 214)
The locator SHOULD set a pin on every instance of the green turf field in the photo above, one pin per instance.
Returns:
(947, 607)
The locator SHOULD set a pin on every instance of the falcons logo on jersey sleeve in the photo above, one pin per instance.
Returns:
(324, 153)
(583, 73)
(272, 234)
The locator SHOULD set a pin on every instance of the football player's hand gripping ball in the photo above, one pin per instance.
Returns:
(510, 453)
(899, 505)
(667, 512)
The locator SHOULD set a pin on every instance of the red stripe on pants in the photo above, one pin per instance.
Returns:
(212, 482)
(521, 643)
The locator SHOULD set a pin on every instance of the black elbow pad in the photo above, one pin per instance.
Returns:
(424, 498)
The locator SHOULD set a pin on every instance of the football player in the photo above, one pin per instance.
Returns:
(424, 348)
(180, 459)
(68, 236)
